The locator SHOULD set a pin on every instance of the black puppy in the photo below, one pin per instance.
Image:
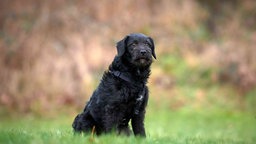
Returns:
(122, 94)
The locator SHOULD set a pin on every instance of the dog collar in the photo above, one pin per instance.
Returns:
(121, 75)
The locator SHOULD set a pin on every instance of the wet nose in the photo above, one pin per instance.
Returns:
(143, 52)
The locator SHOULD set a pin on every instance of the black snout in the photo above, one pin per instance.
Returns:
(143, 52)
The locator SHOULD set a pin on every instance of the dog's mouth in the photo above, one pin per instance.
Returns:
(142, 60)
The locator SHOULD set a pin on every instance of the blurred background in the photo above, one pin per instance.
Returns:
(53, 53)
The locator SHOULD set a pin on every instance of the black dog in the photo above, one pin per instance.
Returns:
(122, 94)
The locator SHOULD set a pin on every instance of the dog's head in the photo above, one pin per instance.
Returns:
(137, 48)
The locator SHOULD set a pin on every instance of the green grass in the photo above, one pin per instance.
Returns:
(213, 116)
(162, 126)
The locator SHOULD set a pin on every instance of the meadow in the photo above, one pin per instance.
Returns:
(162, 126)
(202, 86)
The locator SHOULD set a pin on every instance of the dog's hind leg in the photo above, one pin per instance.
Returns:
(83, 123)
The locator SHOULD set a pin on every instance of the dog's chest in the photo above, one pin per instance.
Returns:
(130, 95)
(131, 99)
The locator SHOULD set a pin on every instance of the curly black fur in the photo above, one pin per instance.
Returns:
(122, 94)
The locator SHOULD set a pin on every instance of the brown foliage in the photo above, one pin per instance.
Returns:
(50, 50)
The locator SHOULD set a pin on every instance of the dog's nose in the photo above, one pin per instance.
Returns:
(143, 52)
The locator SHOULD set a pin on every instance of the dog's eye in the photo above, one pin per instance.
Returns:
(147, 43)
(133, 45)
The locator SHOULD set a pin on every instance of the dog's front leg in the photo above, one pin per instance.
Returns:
(110, 120)
(138, 124)
(110, 126)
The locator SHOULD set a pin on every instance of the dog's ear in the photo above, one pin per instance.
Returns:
(121, 45)
(152, 47)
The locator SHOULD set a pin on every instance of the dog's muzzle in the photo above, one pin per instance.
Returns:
(143, 57)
